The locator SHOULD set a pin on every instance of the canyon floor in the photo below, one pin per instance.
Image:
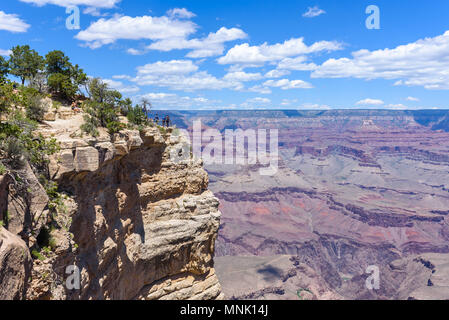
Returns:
(354, 189)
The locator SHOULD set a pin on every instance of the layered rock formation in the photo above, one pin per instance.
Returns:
(354, 188)
(134, 222)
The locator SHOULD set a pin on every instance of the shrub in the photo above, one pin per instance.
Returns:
(115, 127)
(15, 151)
(2, 169)
(34, 109)
(7, 96)
(37, 255)
(90, 126)
(136, 115)
(31, 99)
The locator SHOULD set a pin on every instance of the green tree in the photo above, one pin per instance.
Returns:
(64, 79)
(25, 63)
(4, 68)
(104, 107)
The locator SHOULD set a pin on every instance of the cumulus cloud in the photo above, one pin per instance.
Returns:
(286, 84)
(255, 103)
(181, 13)
(172, 100)
(135, 52)
(246, 54)
(107, 4)
(243, 76)
(412, 99)
(422, 63)
(5, 53)
(260, 89)
(167, 68)
(187, 82)
(95, 12)
(212, 45)
(313, 12)
(118, 85)
(288, 102)
(370, 102)
(107, 31)
(297, 64)
(276, 73)
(12, 23)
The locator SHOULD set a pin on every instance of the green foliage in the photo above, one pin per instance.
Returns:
(14, 151)
(39, 149)
(115, 127)
(90, 126)
(57, 105)
(136, 115)
(25, 63)
(2, 169)
(63, 78)
(37, 255)
(103, 108)
(7, 96)
(56, 199)
(32, 101)
(61, 84)
(20, 143)
(4, 68)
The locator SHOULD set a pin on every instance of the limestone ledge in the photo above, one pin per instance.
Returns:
(89, 154)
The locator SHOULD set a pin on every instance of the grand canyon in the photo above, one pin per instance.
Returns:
(354, 188)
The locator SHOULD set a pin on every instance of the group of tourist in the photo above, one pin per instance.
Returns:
(165, 122)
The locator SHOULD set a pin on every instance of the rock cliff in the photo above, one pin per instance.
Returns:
(134, 223)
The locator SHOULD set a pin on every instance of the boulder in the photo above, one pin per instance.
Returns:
(15, 266)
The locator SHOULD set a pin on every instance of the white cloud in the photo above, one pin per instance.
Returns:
(255, 103)
(167, 68)
(5, 53)
(314, 106)
(412, 99)
(181, 13)
(66, 3)
(243, 76)
(212, 45)
(396, 107)
(286, 84)
(95, 12)
(118, 85)
(187, 82)
(288, 102)
(135, 52)
(296, 64)
(259, 100)
(313, 12)
(276, 73)
(422, 63)
(370, 102)
(107, 31)
(171, 100)
(260, 89)
(246, 54)
(12, 22)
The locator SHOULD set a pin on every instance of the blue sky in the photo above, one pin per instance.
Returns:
(249, 54)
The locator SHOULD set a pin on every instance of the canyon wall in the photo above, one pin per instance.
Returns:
(135, 224)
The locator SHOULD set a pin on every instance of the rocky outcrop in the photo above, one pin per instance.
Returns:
(15, 266)
(134, 222)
